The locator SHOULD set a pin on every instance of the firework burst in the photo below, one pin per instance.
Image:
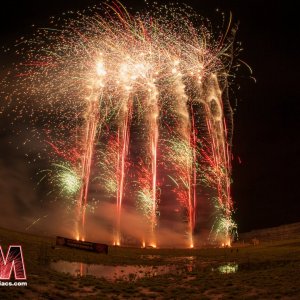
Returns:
(94, 81)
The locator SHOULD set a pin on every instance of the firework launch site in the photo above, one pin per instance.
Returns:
(265, 271)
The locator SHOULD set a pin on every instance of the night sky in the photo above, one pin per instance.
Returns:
(266, 137)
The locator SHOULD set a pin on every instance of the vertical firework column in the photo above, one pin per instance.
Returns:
(193, 189)
(218, 158)
(153, 114)
(91, 126)
(184, 153)
(147, 170)
(123, 140)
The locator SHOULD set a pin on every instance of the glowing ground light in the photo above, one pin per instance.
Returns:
(228, 268)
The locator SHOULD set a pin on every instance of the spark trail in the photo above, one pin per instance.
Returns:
(123, 140)
(184, 164)
(88, 142)
(153, 133)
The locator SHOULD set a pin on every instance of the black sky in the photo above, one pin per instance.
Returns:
(266, 138)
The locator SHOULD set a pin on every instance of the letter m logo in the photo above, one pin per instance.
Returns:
(12, 262)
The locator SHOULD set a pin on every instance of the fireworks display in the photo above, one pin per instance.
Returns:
(133, 109)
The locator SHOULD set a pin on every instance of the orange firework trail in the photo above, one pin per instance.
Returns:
(123, 140)
(91, 128)
(97, 81)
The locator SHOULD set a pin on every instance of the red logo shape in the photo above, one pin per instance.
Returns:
(13, 262)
